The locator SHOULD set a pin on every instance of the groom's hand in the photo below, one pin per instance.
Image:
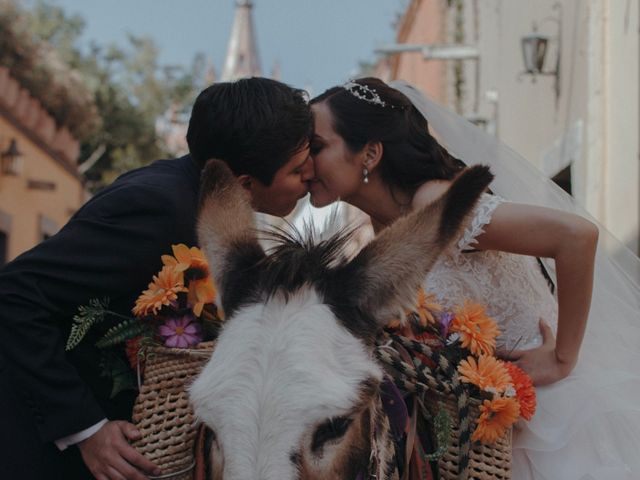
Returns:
(109, 456)
(541, 363)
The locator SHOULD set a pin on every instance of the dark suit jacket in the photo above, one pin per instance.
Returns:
(111, 247)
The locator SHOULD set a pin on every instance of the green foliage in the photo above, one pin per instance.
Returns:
(115, 367)
(95, 312)
(126, 87)
(53, 26)
(112, 364)
(39, 68)
(87, 316)
(123, 331)
(442, 426)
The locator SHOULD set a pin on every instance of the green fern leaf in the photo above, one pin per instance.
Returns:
(122, 332)
(443, 427)
(87, 316)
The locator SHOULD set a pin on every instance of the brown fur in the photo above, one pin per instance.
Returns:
(226, 216)
(355, 448)
(216, 459)
(397, 261)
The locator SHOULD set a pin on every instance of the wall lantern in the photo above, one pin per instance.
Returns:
(535, 47)
(10, 159)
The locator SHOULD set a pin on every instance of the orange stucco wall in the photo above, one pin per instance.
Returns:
(423, 24)
(24, 206)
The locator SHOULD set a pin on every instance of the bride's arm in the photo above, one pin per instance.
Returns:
(571, 241)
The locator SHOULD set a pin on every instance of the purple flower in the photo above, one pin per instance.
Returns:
(181, 332)
(445, 320)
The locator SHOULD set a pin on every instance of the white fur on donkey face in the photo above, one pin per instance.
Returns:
(278, 370)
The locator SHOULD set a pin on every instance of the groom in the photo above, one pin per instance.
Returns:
(57, 419)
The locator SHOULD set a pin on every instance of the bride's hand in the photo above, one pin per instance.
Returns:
(542, 363)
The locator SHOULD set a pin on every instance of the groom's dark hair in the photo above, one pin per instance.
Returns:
(255, 125)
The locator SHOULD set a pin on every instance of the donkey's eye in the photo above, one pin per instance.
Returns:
(332, 429)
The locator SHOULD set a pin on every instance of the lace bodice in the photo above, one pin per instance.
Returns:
(511, 287)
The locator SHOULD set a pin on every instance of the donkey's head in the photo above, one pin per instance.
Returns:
(291, 390)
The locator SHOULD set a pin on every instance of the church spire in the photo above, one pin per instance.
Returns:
(242, 53)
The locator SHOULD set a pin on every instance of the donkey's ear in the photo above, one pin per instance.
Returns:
(390, 270)
(226, 232)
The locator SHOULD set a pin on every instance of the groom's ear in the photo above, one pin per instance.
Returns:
(372, 155)
(254, 188)
(246, 181)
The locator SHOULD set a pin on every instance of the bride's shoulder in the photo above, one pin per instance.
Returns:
(429, 192)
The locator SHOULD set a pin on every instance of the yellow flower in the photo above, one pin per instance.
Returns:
(426, 307)
(201, 292)
(186, 258)
(487, 373)
(162, 291)
(477, 331)
(496, 416)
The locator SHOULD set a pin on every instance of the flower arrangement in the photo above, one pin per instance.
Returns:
(177, 310)
(466, 337)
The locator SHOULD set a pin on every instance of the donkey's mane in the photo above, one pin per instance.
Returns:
(298, 257)
(295, 258)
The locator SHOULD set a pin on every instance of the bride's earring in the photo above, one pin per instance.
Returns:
(365, 175)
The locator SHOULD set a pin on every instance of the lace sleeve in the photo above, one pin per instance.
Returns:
(481, 217)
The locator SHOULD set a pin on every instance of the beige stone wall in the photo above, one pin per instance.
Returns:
(46, 190)
(621, 184)
(593, 124)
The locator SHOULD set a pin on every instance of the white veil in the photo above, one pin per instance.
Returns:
(517, 180)
(606, 378)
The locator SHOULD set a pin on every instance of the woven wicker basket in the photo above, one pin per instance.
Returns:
(162, 412)
(405, 362)
(164, 417)
(486, 462)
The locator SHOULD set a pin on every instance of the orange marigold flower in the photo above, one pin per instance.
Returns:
(201, 292)
(525, 391)
(496, 416)
(426, 306)
(487, 373)
(162, 291)
(186, 258)
(477, 331)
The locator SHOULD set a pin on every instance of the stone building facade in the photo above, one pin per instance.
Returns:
(40, 187)
(578, 120)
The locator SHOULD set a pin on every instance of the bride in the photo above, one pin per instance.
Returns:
(372, 148)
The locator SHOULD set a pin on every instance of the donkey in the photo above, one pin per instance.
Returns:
(292, 388)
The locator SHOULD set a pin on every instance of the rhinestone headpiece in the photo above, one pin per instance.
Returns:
(366, 93)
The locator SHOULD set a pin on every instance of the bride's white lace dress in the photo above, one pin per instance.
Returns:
(587, 426)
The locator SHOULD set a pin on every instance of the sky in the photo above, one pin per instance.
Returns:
(317, 43)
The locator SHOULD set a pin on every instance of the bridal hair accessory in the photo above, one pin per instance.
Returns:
(367, 94)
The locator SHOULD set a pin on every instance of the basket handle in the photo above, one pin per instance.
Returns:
(423, 377)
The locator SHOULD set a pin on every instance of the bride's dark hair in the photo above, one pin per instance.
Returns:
(411, 156)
